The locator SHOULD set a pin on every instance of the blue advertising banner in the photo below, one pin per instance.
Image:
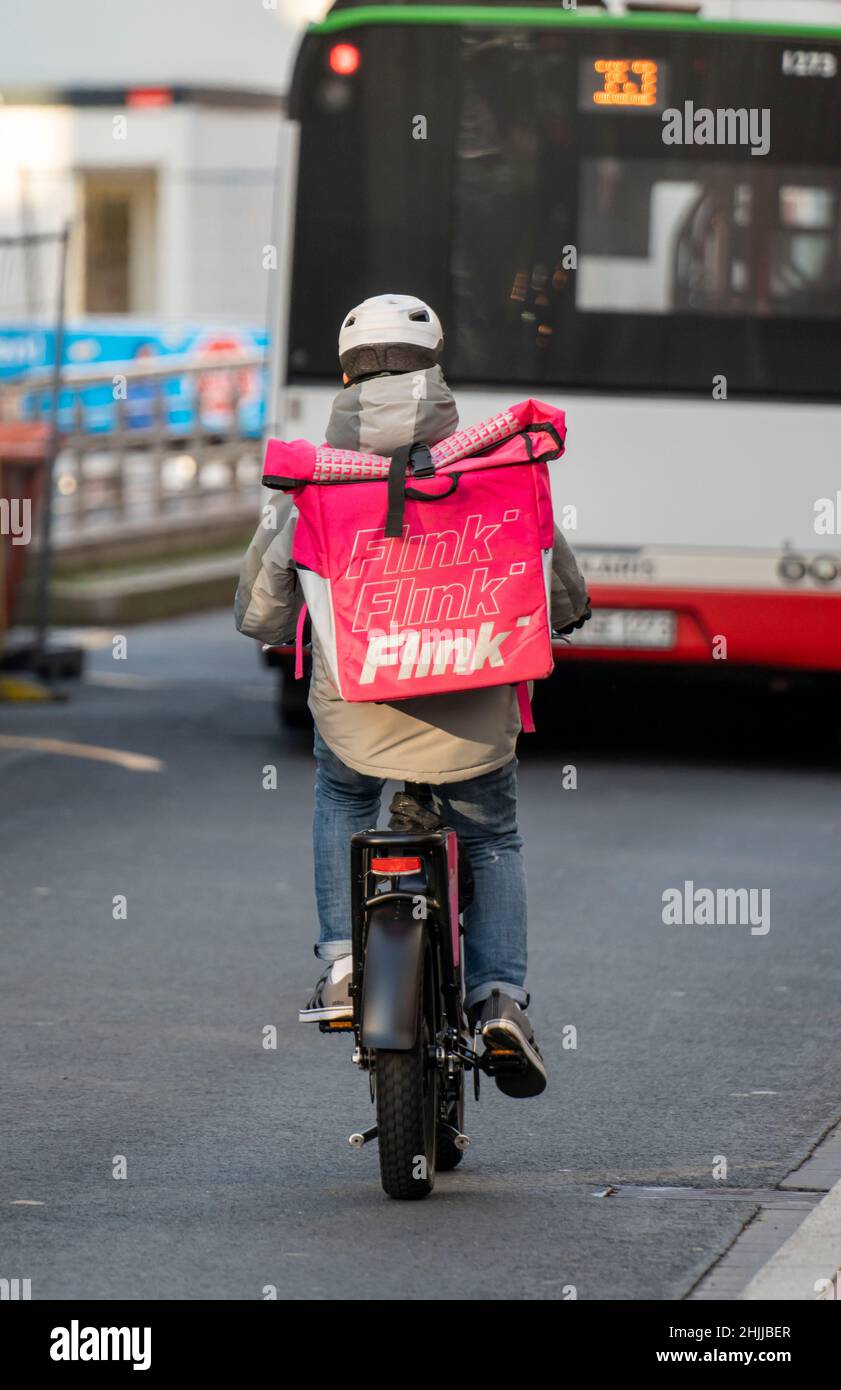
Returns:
(206, 398)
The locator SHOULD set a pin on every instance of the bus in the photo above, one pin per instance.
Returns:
(636, 217)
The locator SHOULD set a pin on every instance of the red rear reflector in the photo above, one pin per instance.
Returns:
(344, 58)
(408, 865)
(149, 96)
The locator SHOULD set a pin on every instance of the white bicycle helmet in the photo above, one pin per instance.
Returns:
(391, 319)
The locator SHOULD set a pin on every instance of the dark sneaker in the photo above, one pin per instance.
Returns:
(331, 1001)
(518, 1068)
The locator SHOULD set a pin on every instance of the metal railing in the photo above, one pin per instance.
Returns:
(140, 441)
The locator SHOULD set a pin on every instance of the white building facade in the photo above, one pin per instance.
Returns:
(158, 131)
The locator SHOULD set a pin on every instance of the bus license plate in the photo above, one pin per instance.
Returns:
(628, 627)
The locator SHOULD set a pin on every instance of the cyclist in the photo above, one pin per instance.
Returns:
(462, 744)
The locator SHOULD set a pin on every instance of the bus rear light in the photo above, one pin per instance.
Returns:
(408, 864)
(344, 59)
(149, 96)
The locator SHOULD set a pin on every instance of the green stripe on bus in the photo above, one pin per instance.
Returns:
(528, 17)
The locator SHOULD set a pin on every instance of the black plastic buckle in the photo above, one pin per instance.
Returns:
(421, 461)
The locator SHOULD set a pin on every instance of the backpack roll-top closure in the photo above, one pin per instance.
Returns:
(530, 431)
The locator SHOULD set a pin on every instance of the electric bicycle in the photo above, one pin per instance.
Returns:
(410, 887)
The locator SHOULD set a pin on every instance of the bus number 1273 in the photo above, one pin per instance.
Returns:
(798, 62)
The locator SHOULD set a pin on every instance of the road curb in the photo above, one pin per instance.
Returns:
(807, 1267)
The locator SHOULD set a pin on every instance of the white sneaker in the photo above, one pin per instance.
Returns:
(331, 1001)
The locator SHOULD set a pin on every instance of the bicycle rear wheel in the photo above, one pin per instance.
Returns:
(407, 1095)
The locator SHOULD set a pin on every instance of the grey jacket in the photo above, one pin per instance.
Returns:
(432, 738)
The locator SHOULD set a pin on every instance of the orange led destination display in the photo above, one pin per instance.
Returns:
(621, 83)
(627, 82)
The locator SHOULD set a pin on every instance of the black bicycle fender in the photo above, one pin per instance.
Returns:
(391, 979)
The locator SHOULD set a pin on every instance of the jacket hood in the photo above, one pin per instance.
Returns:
(379, 415)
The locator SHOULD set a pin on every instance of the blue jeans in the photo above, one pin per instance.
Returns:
(483, 812)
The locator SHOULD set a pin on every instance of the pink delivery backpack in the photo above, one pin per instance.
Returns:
(429, 571)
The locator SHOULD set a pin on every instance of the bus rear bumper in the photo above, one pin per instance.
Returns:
(796, 631)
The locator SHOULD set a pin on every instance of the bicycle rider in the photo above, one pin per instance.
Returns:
(462, 744)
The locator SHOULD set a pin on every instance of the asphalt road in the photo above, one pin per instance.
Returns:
(142, 1037)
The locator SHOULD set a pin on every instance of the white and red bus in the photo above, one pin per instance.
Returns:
(682, 301)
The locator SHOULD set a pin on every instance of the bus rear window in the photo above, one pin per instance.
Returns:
(590, 250)
(753, 239)
(518, 179)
